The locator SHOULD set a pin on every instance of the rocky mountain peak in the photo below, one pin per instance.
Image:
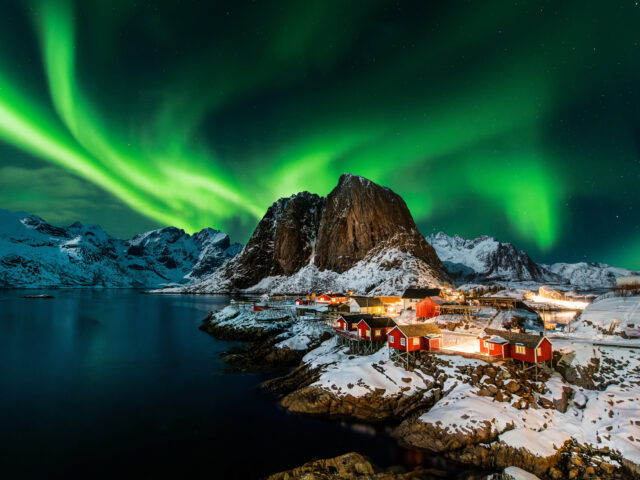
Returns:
(359, 215)
(352, 225)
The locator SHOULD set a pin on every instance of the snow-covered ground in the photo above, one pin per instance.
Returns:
(358, 375)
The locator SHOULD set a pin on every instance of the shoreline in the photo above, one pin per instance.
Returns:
(298, 392)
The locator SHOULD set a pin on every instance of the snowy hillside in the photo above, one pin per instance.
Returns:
(589, 274)
(36, 254)
(485, 259)
(382, 272)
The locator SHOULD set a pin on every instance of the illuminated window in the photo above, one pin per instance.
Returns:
(377, 332)
(520, 349)
(416, 341)
(539, 351)
(368, 332)
(402, 341)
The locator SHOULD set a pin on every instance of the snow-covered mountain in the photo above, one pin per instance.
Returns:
(589, 274)
(361, 237)
(486, 259)
(34, 253)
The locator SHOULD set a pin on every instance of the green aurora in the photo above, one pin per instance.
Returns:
(520, 121)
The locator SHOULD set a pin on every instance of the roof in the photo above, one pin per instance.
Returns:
(368, 301)
(390, 299)
(421, 330)
(496, 339)
(379, 322)
(356, 317)
(437, 299)
(420, 293)
(335, 295)
(526, 339)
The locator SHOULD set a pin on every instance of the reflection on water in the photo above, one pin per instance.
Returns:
(100, 383)
(561, 317)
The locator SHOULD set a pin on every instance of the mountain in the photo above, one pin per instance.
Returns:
(486, 259)
(589, 274)
(361, 237)
(34, 253)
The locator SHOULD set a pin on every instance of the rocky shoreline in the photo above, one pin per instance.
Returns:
(310, 389)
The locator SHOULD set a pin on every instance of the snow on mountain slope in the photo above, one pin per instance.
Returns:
(36, 254)
(485, 259)
(589, 274)
(385, 271)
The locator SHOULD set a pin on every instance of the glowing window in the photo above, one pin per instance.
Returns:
(416, 341)
(520, 349)
(539, 351)
(368, 332)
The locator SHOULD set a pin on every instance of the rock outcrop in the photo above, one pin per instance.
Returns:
(350, 466)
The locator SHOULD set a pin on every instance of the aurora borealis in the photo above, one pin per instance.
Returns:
(520, 120)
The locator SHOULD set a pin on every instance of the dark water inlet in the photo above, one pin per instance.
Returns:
(95, 383)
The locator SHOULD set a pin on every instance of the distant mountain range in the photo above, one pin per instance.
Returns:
(34, 253)
(485, 259)
(361, 237)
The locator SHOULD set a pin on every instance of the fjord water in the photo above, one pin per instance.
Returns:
(95, 383)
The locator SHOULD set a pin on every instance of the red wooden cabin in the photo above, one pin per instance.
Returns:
(324, 298)
(302, 301)
(258, 307)
(429, 307)
(349, 322)
(410, 338)
(519, 346)
(375, 329)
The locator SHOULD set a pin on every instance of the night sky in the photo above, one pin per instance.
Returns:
(519, 119)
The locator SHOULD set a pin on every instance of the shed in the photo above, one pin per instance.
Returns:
(348, 322)
(366, 305)
(411, 338)
(412, 296)
(520, 346)
(429, 307)
(375, 329)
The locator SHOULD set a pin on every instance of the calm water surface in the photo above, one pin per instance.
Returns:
(97, 383)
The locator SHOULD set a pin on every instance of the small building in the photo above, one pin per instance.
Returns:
(498, 302)
(324, 298)
(410, 338)
(259, 307)
(349, 322)
(412, 296)
(338, 307)
(429, 307)
(375, 329)
(518, 346)
(302, 301)
(366, 305)
(391, 304)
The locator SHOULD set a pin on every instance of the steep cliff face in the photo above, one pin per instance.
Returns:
(361, 237)
(282, 243)
(359, 216)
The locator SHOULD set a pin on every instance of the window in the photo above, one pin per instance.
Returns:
(391, 339)
(368, 332)
(416, 341)
(402, 341)
(377, 332)
(539, 352)
(484, 344)
(520, 349)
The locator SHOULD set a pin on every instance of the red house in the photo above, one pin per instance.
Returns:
(410, 338)
(519, 346)
(258, 307)
(302, 301)
(429, 307)
(349, 322)
(331, 298)
(375, 329)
